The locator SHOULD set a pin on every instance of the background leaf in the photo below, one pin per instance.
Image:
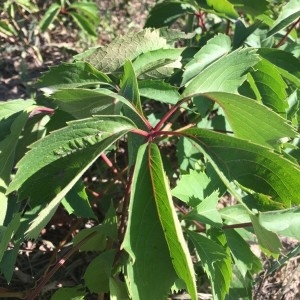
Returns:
(283, 222)
(267, 240)
(214, 259)
(49, 16)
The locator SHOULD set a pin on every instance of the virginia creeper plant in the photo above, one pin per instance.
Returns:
(173, 129)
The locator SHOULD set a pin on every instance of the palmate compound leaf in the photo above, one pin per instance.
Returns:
(153, 238)
(216, 263)
(226, 74)
(248, 118)
(255, 167)
(58, 161)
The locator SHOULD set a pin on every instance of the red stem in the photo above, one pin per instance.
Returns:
(168, 115)
(287, 34)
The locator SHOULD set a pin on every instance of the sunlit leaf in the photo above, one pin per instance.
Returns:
(267, 240)
(71, 75)
(216, 47)
(83, 23)
(247, 119)
(224, 75)
(270, 85)
(283, 222)
(254, 166)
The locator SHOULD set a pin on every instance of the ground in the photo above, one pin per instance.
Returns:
(20, 66)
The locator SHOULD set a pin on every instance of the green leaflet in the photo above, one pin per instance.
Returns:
(286, 63)
(159, 91)
(129, 86)
(243, 257)
(268, 240)
(72, 75)
(157, 63)
(254, 166)
(215, 48)
(83, 23)
(216, 263)
(98, 272)
(224, 75)
(248, 118)
(153, 259)
(64, 154)
(270, 86)
(206, 212)
(288, 14)
(50, 15)
(284, 222)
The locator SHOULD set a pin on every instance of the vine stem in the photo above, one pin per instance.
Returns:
(287, 34)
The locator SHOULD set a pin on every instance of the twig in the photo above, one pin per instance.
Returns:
(287, 34)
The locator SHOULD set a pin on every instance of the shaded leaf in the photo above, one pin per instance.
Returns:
(177, 246)
(117, 289)
(75, 293)
(149, 263)
(243, 257)
(214, 259)
(254, 166)
(167, 12)
(129, 86)
(98, 272)
(49, 16)
(77, 202)
(286, 63)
